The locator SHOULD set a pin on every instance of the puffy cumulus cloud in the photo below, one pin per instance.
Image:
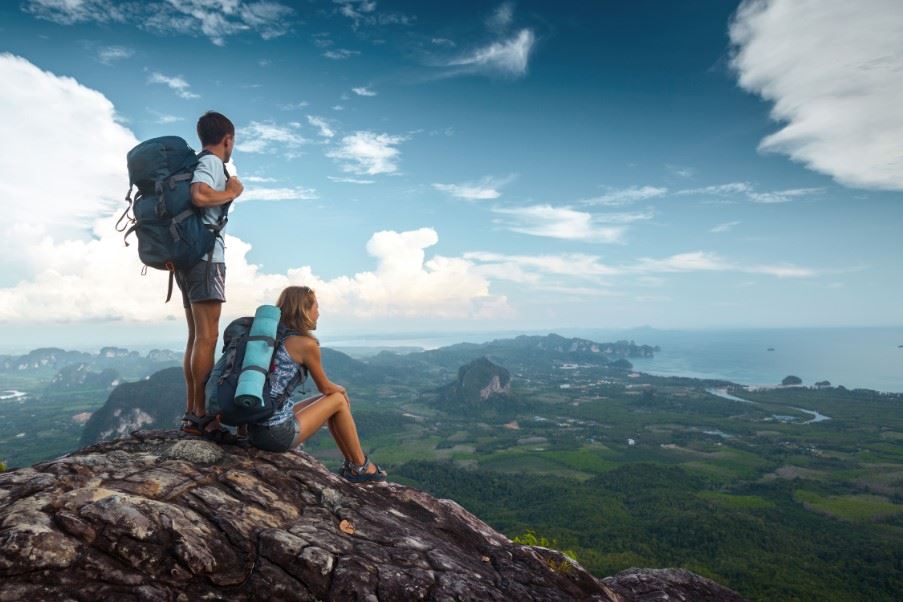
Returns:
(368, 153)
(84, 185)
(364, 91)
(834, 71)
(406, 283)
(72, 265)
(508, 58)
(99, 279)
(215, 19)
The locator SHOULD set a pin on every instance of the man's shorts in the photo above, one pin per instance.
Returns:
(202, 282)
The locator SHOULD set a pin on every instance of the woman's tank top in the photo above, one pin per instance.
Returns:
(284, 371)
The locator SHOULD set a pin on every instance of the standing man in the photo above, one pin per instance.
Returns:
(203, 286)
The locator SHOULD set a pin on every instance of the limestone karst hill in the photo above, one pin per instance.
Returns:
(155, 516)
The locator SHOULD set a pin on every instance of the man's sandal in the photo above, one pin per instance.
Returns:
(195, 425)
(357, 473)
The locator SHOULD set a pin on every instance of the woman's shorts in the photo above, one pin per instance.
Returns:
(276, 438)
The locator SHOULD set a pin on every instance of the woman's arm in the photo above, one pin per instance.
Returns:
(305, 350)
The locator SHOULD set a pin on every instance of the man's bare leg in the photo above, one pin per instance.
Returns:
(206, 333)
(186, 363)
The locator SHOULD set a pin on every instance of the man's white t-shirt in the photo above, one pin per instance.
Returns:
(210, 171)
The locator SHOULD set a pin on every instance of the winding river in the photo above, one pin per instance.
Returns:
(723, 394)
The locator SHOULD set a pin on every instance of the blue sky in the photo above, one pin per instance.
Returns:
(448, 166)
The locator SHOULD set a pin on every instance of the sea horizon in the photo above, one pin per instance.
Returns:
(856, 357)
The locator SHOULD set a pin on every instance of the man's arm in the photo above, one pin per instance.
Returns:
(202, 195)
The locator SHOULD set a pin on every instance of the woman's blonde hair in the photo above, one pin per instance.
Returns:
(296, 303)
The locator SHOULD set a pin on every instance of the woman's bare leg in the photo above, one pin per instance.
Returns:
(312, 416)
(343, 447)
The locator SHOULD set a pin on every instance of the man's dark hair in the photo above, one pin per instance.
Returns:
(213, 127)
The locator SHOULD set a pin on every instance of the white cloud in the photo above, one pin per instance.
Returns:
(443, 42)
(72, 265)
(702, 261)
(177, 83)
(695, 261)
(501, 17)
(35, 206)
(278, 194)
(470, 192)
(747, 190)
(682, 172)
(569, 224)
(350, 180)
(508, 58)
(363, 91)
(257, 179)
(69, 12)
(165, 118)
(368, 153)
(340, 54)
(322, 125)
(292, 106)
(364, 11)
(833, 70)
(485, 189)
(215, 19)
(268, 137)
(626, 196)
(110, 54)
(531, 268)
(725, 227)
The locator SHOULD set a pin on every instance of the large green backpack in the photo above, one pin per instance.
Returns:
(169, 227)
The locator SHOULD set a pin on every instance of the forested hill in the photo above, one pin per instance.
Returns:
(525, 351)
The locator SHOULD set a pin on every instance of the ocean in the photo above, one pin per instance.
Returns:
(853, 357)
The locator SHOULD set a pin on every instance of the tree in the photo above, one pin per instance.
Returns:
(791, 380)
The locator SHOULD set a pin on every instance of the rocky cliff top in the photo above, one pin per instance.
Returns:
(159, 517)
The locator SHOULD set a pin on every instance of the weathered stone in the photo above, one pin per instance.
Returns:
(668, 584)
(157, 517)
(195, 450)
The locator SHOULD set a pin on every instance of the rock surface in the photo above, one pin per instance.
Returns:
(159, 517)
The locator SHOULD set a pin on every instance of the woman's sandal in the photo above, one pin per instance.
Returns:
(357, 473)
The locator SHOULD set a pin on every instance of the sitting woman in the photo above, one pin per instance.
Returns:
(293, 359)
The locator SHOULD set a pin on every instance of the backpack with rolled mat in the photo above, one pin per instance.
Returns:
(238, 388)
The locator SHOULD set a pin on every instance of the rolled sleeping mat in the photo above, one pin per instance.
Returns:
(258, 355)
